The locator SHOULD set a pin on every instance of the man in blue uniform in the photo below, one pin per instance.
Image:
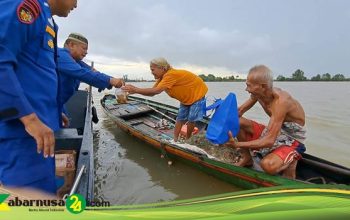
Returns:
(72, 69)
(29, 111)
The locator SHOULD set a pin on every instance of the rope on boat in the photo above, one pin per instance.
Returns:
(317, 178)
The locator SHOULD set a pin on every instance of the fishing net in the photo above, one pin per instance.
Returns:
(223, 152)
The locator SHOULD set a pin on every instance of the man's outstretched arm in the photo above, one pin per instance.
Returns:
(246, 106)
(278, 114)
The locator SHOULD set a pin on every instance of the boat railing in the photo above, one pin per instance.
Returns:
(85, 183)
(327, 167)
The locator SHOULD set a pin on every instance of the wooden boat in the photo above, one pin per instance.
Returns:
(79, 138)
(140, 117)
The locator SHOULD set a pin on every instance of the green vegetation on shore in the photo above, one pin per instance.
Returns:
(212, 78)
(298, 75)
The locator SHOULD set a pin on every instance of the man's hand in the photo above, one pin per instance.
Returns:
(42, 134)
(231, 141)
(130, 89)
(65, 120)
(240, 111)
(116, 82)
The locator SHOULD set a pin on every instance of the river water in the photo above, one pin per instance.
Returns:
(129, 171)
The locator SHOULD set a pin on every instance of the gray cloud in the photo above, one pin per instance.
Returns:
(235, 35)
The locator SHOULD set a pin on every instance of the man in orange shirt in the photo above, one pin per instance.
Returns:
(182, 85)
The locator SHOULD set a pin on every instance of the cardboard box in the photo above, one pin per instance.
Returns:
(65, 170)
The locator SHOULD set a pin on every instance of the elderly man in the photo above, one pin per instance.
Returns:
(29, 111)
(280, 143)
(72, 69)
(182, 85)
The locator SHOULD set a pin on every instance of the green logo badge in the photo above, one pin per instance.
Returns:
(75, 203)
(3, 206)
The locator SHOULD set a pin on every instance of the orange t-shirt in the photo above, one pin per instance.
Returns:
(183, 86)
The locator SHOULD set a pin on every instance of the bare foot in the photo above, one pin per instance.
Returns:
(289, 172)
(244, 161)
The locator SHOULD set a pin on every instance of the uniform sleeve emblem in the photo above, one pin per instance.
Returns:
(50, 43)
(28, 11)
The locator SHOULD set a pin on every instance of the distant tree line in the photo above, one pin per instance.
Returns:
(298, 75)
(212, 78)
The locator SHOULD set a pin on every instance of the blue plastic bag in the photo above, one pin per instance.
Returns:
(214, 106)
(225, 119)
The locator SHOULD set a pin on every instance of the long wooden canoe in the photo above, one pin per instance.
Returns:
(143, 119)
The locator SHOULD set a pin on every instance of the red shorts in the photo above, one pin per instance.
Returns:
(257, 130)
(287, 153)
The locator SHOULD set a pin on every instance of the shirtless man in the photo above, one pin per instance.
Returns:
(278, 146)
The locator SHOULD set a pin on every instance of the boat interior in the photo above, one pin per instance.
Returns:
(74, 149)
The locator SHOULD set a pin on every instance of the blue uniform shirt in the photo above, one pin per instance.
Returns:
(72, 72)
(28, 80)
(28, 84)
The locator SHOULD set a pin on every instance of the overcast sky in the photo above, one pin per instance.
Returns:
(219, 37)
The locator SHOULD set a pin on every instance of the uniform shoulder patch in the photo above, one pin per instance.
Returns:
(28, 11)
